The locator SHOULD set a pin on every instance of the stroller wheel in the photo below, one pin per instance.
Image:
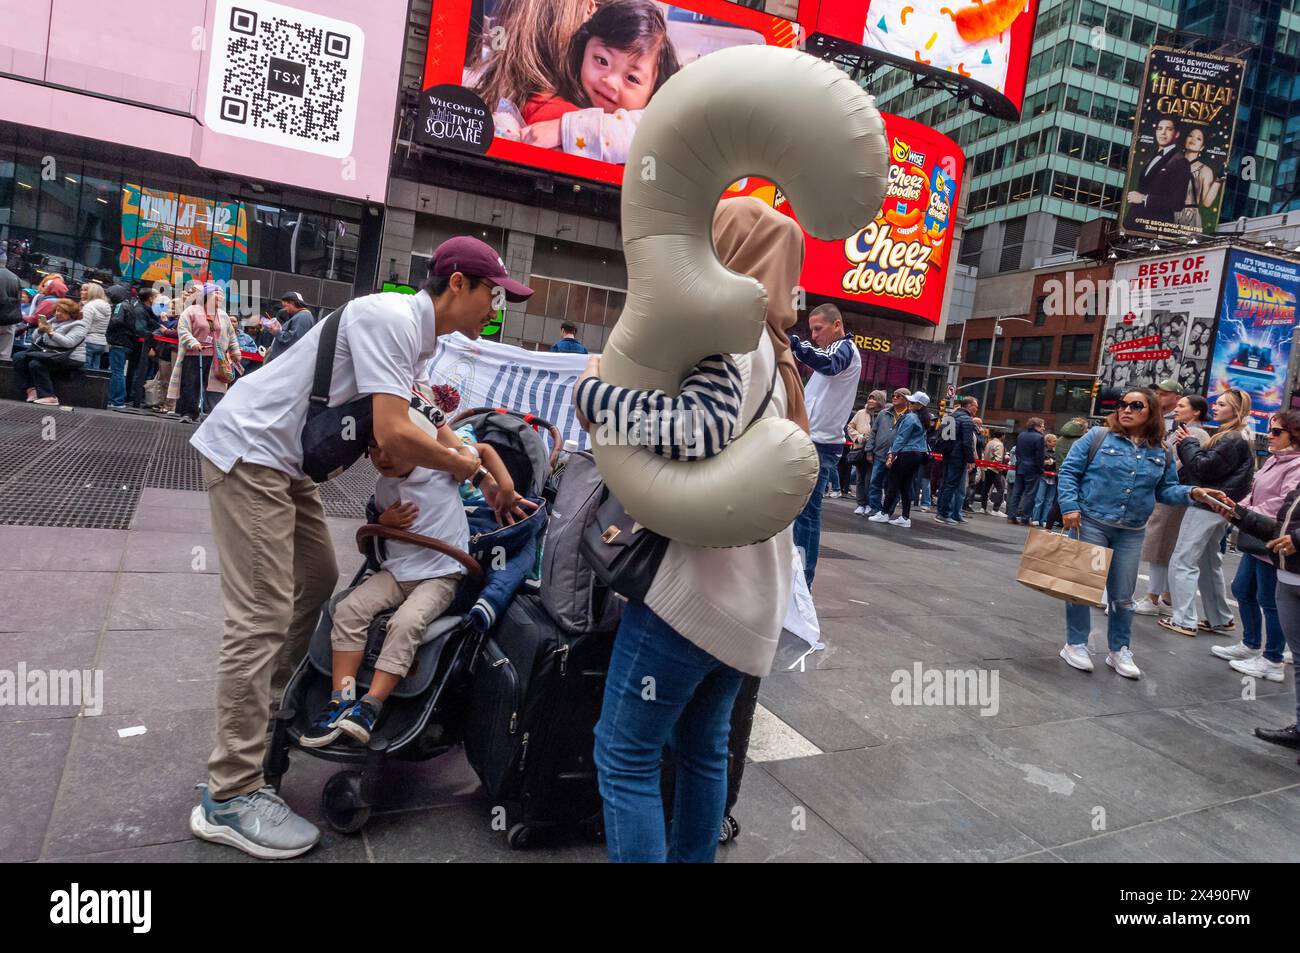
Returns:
(518, 836)
(730, 828)
(342, 805)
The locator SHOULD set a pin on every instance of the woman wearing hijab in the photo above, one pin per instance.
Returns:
(711, 616)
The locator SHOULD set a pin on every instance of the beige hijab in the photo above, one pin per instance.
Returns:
(756, 240)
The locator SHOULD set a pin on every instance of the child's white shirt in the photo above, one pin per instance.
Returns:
(441, 516)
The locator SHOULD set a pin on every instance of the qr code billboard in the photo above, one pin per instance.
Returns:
(284, 76)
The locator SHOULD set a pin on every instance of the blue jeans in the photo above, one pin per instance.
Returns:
(95, 356)
(117, 358)
(921, 490)
(808, 524)
(1126, 553)
(1043, 501)
(1255, 587)
(952, 493)
(835, 473)
(1023, 494)
(663, 690)
(876, 491)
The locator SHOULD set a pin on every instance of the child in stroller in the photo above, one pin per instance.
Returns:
(417, 582)
(421, 713)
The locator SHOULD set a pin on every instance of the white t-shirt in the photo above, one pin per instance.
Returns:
(383, 340)
(442, 516)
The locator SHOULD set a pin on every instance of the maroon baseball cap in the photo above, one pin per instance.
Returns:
(475, 259)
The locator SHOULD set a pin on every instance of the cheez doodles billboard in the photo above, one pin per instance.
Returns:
(896, 264)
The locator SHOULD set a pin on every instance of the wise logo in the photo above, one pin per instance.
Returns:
(493, 328)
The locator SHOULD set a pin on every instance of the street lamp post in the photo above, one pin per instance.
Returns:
(993, 346)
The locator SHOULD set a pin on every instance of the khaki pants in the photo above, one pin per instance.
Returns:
(264, 522)
(418, 603)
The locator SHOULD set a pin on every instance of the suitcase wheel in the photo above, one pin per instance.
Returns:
(518, 836)
(342, 805)
(730, 828)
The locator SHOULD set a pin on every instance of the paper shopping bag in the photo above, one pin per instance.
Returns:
(1065, 568)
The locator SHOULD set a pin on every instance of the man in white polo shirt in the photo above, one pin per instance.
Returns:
(829, 394)
(267, 513)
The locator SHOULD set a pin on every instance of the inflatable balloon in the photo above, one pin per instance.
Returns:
(750, 110)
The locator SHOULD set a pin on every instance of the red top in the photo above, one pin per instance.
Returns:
(543, 106)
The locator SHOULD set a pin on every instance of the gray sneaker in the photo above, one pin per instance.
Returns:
(260, 824)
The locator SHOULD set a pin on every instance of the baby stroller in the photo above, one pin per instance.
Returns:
(423, 717)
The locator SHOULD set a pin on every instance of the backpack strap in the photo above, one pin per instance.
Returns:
(1093, 450)
(329, 337)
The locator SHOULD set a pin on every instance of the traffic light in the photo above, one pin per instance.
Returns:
(1096, 386)
(943, 407)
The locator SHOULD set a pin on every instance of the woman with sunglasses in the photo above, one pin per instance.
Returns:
(1106, 497)
(1227, 463)
(1256, 582)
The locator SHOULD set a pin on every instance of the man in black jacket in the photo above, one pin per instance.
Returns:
(1030, 452)
(958, 458)
(130, 333)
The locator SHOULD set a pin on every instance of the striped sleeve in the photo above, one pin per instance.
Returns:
(694, 425)
(829, 360)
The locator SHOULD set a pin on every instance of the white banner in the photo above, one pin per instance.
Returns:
(489, 374)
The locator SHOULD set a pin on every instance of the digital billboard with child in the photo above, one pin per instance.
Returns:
(566, 81)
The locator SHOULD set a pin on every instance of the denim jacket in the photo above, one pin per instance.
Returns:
(909, 436)
(1122, 484)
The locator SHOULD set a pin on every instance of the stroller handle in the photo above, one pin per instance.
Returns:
(531, 419)
(370, 530)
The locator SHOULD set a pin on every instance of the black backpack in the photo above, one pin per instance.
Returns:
(944, 444)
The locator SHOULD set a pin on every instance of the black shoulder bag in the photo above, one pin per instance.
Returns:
(623, 554)
(333, 438)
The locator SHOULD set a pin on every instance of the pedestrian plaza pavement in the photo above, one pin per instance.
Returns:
(851, 761)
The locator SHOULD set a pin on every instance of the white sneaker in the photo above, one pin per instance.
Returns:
(834, 494)
(901, 521)
(878, 518)
(860, 511)
(1146, 607)
(1234, 653)
(1260, 667)
(925, 509)
(1287, 657)
(1076, 656)
(1122, 662)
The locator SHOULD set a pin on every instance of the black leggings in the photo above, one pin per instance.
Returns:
(899, 481)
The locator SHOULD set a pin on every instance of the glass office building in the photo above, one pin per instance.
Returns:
(1033, 183)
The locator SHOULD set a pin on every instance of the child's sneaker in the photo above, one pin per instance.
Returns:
(324, 728)
(359, 721)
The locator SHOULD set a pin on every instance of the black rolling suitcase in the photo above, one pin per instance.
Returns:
(742, 723)
(530, 733)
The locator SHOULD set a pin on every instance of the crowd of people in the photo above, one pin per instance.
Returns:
(175, 356)
(1161, 482)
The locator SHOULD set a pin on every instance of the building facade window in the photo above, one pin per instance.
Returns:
(1033, 351)
(1076, 349)
(1024, 394)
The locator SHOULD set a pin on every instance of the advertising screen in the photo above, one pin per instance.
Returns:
(169, 236)
(896, 264)
(562, 84)
(1253, 347)
(1181, 144)
(981, 45)
(1160, 320)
